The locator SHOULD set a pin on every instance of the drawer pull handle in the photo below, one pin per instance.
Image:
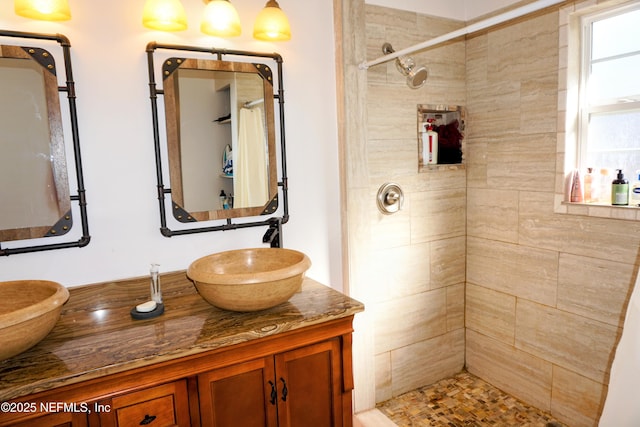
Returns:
(148, 419)
(285, 391)
(274, 393)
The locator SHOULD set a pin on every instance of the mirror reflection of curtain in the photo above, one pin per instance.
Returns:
(29, 192)
(251, 180)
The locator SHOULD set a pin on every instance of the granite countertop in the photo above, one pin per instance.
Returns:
(96, 335)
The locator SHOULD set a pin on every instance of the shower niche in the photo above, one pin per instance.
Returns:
(440, 136)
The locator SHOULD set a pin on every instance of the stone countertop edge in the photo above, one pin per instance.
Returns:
(96, 336)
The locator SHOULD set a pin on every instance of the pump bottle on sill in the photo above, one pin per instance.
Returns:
(634, 193)
(430, 144)
(620, 190)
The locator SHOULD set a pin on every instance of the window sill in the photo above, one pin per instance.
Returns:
(629, 213)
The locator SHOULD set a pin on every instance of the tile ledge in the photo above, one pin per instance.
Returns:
(629, 213)
(440, 167)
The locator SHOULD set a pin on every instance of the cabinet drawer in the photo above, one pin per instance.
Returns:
(60, 419)
(160, 406)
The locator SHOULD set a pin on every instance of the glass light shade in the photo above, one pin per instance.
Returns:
(272, 24)
(46, 10)
(220, 19)
(164, 15)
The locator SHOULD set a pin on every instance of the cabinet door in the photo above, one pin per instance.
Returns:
(310, 386)
(239, 395)
(160, 406)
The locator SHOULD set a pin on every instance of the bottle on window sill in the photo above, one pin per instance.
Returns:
(588, 186)
(576, 188)
(620, 190)
(634, 193)
(604, 192)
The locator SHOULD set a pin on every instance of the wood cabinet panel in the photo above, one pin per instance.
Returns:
(302, 387)
(238, 395)
(312, 376)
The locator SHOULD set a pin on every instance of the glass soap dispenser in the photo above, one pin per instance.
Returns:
(154, 307)
(156, 290)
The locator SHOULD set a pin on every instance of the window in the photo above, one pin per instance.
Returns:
(609, 92)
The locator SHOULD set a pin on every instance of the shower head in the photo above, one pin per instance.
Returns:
(416, 76)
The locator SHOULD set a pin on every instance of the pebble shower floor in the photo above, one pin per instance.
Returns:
(463, 401)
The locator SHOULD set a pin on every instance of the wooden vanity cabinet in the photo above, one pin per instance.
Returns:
(296, 378)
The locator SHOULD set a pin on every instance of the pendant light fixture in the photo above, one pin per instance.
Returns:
(220, 19)
(272, 24)
(164, 15)
(46, 10)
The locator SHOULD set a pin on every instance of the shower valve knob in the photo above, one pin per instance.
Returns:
(390, 198)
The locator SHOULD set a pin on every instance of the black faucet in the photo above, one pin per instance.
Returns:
(273, 236)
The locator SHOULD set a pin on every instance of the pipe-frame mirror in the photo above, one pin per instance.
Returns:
(220, 133)
(34, 179)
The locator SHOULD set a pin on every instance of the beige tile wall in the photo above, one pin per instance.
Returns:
(418, 254)
(545, 292)
(479, 268)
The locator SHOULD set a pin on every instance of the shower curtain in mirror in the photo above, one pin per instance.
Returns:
(251, 180)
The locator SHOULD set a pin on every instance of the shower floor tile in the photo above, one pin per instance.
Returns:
(461, 401)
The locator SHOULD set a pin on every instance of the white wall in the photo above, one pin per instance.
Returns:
(110, 70)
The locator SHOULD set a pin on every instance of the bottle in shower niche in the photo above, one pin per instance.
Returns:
(430, 144)
(620, 190)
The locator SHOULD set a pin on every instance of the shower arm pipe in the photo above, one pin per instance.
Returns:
(478, 26)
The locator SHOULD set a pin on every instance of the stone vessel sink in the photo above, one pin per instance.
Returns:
(28, 311)
(249, 279)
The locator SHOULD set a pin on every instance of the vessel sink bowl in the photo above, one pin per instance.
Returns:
(249, 279)
(28, 311)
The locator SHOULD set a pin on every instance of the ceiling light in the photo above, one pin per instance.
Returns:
(47, 10)
(220, 19)
(164, 15)
(272, 24)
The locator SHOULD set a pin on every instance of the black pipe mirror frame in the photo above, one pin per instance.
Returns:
(273, 236)
(80, 197)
